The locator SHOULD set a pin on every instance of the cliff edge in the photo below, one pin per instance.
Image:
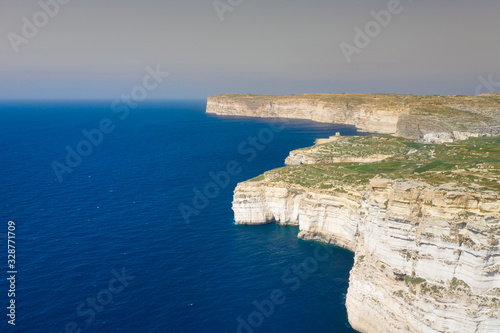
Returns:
(434, 119)
(422, 219)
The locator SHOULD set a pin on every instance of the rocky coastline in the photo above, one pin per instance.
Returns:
(420, 208)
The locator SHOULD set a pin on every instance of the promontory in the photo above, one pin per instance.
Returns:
(417, 201)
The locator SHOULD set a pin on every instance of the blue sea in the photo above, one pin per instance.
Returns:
(106, 248)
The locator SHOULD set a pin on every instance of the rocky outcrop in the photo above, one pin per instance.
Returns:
(424, 224)
(297, 158)
(321, 216)
(422, 219)
(366, 118)
(371, 149)
(438, 138)
(408, 116)
(427, 259)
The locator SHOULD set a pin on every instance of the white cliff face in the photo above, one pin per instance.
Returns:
(427, 259)
(427, 243)
(443, 243)
(256, 204)
(384, 114)
(320, 215)
(367, 119)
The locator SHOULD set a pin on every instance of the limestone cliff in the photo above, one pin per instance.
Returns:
(320, 215)
(368, 118)
(427, 260)
(424, 224)
(408, 116)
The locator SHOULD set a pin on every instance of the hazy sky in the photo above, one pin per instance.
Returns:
(100, 49)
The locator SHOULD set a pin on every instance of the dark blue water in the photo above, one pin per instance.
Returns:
(108, 250)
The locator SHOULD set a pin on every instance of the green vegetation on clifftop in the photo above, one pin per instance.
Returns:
(473, 164)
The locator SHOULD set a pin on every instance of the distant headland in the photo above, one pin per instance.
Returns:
(432, 118)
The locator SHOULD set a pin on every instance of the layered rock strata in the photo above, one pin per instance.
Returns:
(423, 220)
(408, 116)
(367, 118)
(318, 214)
(424, 225)
(427, 259)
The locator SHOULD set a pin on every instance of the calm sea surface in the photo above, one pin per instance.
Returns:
(108, 250)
